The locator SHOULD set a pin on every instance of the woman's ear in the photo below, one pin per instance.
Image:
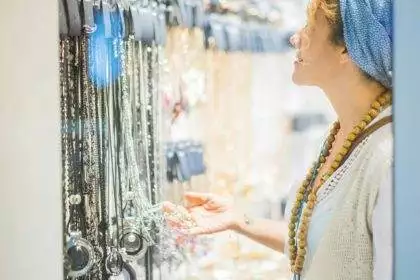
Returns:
(344, 55)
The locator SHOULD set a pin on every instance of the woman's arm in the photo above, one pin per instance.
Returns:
(267, 232)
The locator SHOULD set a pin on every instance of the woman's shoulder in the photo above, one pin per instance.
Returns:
(381, 145)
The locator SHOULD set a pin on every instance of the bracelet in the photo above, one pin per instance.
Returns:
(247, 220)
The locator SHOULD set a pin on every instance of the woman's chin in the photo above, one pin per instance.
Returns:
(297, 79)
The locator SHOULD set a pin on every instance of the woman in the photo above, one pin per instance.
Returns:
(340, 218)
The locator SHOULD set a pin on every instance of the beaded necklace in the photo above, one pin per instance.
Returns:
(300, 214)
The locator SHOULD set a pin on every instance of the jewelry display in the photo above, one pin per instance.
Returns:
(111, 149)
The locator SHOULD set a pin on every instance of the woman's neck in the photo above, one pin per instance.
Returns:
(351, 101)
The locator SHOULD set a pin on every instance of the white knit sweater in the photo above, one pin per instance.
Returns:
(344, 240)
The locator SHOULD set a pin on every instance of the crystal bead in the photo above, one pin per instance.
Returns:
(75, 199)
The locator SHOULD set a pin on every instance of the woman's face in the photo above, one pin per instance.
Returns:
(317, 58)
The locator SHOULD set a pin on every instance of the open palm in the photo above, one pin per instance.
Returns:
(209, 213)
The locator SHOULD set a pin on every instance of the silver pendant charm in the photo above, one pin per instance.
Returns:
(132, 243)
(114, 262)
(80, 256)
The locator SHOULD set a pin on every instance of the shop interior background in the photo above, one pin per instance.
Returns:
(214, 111)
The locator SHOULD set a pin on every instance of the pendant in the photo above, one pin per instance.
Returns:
(80, 255)
(114, 262)
(133, 244)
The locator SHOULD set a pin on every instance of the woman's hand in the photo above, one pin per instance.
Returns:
(204, 214)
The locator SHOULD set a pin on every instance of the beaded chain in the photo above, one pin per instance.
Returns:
(90, 153)
(300, 216)
(135, 189)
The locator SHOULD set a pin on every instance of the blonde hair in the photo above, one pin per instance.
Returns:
(331, 10)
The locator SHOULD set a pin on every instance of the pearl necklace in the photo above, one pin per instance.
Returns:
(307, 192)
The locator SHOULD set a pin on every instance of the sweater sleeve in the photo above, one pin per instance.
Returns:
(382, 226)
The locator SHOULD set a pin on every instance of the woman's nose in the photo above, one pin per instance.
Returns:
(295, 40)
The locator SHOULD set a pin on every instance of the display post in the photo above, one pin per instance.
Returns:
(407, 135)
(30, 192)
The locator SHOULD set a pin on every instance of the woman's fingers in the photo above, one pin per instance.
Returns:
(197, 199)
(168, 207)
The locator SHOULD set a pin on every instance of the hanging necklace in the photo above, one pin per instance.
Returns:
(300, 214)
(79, 251)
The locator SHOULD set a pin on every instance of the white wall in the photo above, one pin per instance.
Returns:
(30, 192)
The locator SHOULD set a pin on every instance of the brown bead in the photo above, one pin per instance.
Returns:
(326, 176)
(338, 157)
(300, 259)
(292, 242)
(293, 219)
(312, 197)
(308, 212)
(298, 268)
(373, 113)
(351, 137)
(367, 118)
(303, 243)
(302, 189)
(301, 236)
(343, 151)
(301, 252)
(356, 131)
(305, 219)
(322, 159)
(335, 164)
(347, 144)
(299, 196)
(376, 105)
(362, 125)
(382, 100)
(295, 210)
(292, 226)
(293, 250)
(306, 183)
(309, 176)
(292, 234)
(311, 204)
(388, 98)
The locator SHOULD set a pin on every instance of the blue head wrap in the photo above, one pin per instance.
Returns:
(367, 26)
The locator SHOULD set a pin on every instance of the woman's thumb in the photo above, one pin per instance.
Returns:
(196, 199)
